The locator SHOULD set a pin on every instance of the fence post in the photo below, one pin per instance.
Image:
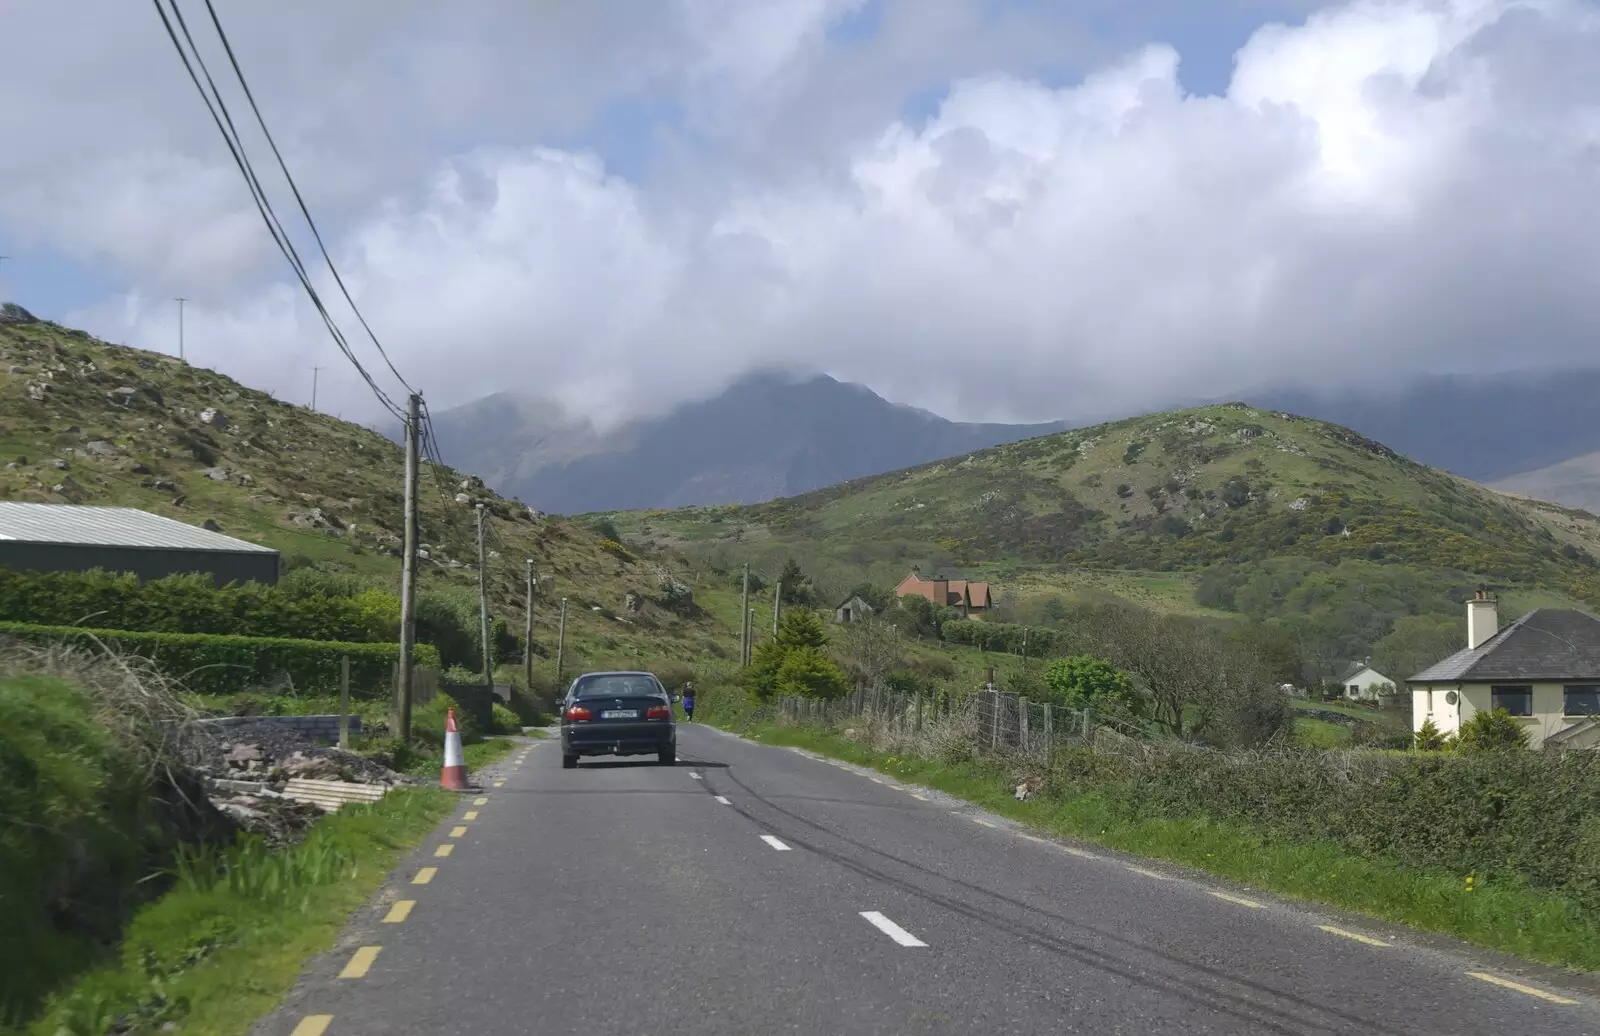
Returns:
(1049, 735)
(1022, 722)
(994, 720)
(344, 702)
(919, 712)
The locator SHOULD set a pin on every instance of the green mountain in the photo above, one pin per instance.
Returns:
(85, 421)
(1149, 507)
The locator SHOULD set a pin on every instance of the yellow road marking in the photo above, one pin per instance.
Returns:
(481, 800)
(985, 823)
(1357, 936)
(876, 780)
(1237, 899)
(444, 850)
(1506, 983)
(424, 876)
(458, 831)
(361, 962)
(470, 814)
(400, 911)
(499, 784)
(919, 795)
(1077, 852)
(313, 1025)
(1148, 874)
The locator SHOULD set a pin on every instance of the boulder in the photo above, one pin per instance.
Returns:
(11, 313)
(213, 417)
(217, 474)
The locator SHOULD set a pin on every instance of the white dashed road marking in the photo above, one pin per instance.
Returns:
(724, 800)
(892, 930)
(775, 843)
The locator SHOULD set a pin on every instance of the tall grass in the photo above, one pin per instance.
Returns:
(95, 795)
(231, 935)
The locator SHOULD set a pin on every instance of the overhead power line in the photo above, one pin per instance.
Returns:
(239, 73)
(224, 123)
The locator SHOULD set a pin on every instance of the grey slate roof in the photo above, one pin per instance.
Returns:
(1352, 669)
(1545, 644)
(111, 527)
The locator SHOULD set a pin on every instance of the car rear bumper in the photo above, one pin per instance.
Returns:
(632, 740)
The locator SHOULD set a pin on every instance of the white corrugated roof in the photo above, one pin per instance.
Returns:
(111, 527)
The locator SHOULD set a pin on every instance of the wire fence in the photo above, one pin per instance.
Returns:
(990, 722)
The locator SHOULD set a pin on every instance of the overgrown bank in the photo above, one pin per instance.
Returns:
(1391, 835)
(137, 845)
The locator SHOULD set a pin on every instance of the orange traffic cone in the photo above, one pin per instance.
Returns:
(454, 775)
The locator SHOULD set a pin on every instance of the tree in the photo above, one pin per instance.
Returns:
(793, 662)
(606, 529)
(807, 672)
(1492, 730)
(1274, 647)
(802, 628)
(1086, 682)
(1200, 685)
(1416, 642)
(796, 587)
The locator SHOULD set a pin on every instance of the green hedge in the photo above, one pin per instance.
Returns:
(193, 604)
(1532, 816)
(210, 663)
(1001, 636)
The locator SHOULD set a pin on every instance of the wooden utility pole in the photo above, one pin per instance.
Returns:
(483, 603)
(408, 570)
(527, 631)
(777, 603)
(314, 372)
(180, 302)
(561, 645)
(744, 618)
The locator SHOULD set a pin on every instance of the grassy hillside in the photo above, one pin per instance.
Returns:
(1148, 508)
(84, 421)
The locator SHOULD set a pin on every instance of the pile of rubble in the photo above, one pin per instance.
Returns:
(247, 770)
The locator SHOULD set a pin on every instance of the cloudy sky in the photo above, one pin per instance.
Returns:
(996, 209)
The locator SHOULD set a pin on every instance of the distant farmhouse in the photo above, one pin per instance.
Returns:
(75, 538)
(970, 597)
(1358, 681)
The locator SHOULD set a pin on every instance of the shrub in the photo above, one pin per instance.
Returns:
(1086, 682)
(1427, 738)
(1492, 730)
(217, 664)
(428, 722)
(504, 721)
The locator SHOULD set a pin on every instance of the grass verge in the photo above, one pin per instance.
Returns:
(1531, 923)
(224, 945)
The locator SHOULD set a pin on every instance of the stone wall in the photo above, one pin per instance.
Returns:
(318, 728)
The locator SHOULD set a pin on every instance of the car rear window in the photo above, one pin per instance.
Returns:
(616, 687)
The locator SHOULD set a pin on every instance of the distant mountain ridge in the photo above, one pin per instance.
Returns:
(769, 435)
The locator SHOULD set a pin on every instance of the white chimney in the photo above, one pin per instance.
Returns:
(1483, 620)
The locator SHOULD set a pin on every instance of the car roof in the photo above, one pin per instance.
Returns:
(615, 672)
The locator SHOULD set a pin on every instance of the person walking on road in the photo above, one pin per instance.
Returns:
(688, 700)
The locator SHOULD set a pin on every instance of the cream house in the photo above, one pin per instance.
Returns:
(1360, 682)
(1544, 669)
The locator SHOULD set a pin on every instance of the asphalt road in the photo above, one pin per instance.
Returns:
(758, 890)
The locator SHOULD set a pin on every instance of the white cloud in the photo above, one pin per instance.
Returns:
(1390, 187)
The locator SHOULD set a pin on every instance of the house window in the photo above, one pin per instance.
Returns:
(1581, 700)
(1517, 700)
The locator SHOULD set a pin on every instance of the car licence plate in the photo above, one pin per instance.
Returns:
(620, 714)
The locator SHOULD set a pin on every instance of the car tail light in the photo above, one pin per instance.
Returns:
(659, 712)
(579, 712)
